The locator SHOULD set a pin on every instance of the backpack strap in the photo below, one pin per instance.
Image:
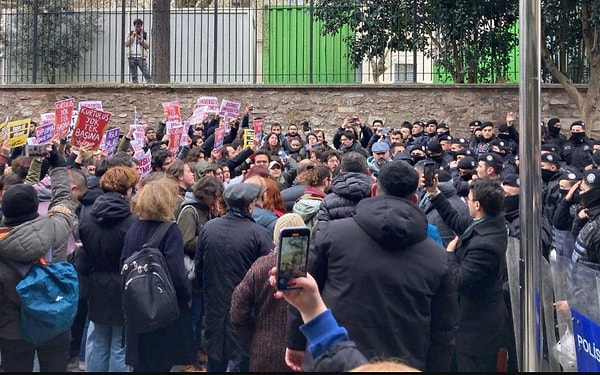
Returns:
(194, 214)
(159, 234)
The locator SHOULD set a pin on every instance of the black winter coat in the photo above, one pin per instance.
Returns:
(228, 246)
(347, 189)
(479, 266)
(386, 282)
(102, 230)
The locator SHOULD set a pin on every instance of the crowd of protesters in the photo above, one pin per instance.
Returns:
(414, 271)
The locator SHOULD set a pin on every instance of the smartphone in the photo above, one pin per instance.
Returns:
(35, 151)
(429, 172)
(292, 256)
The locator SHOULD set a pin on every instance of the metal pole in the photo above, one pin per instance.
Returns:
(123, 33)
(215, 39)
(530, 200)
(414, 41)
(34, 58)
(310, 42)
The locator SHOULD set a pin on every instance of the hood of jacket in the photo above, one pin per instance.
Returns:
(392, 221)
(92, 193)
(352, 185)
(110, 207)
(189, 198)
(307, 208)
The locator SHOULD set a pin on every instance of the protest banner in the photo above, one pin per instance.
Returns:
(229, 109)
(138, 148)
(89, 128)
(186, 129)
(43, 133)
(172, 111)
(139, 133)
(47, 118)
(18, 131)
(3, 130)
(144, 163)
(93, 104)
(198, 116)
(248, 137)
(63, 113)
(258, 128)
(175, 139)
(219, 137)
(210, 102)
(110, 141)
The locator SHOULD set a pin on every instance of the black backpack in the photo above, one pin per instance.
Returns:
(148, 296)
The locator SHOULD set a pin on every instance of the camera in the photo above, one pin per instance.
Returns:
(305, 126)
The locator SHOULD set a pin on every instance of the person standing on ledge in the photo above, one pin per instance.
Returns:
(137, 51)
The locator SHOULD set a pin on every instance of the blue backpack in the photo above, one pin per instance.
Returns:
(49, 293)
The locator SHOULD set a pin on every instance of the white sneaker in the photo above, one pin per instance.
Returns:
(81, 366)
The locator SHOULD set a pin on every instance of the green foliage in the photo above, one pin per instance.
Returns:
(562, 28)
(379, 25)
(469, 38)
(63, 36)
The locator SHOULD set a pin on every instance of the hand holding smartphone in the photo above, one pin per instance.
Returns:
(429, 173)
(292, 256)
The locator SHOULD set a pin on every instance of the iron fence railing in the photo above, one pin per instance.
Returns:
(211, 41)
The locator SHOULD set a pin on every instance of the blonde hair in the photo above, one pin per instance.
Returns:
(157, 200)
(389, 365)
(286, 221)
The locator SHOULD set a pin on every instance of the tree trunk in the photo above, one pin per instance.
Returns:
(161, 41)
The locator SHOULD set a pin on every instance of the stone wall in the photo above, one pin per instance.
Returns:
(323, 106)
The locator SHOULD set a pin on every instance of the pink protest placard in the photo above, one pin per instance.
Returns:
(172, 111)
(198, 116)
(144, 163)
(219, 136)
(138, 148)
(210, 102)
(93, 104)
(230, 109)
(258, 128)
(89, 128)
(175, 139)
(63, 111)
(43, 133)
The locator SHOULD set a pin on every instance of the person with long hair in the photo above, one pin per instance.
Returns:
(158, 351)
(272, 199)
(317, 180)
(203, 203)
(273, 146)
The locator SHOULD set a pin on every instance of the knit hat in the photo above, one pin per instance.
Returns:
(592, 178)
(202, 166)
(286, 221)
(434, 146)
(512, 180)
(571, 175)
(578, 122)
(551, 157)
(467, 163)
(491, 158)
(19, 205)
(503, 128)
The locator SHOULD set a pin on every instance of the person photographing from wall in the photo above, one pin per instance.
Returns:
(137, 51)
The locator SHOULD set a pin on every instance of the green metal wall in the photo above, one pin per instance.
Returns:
(292, 41)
